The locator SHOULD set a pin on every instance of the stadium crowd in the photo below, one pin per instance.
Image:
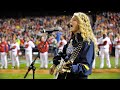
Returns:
(55, 29)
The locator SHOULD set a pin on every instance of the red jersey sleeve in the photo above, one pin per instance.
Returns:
(6, 46)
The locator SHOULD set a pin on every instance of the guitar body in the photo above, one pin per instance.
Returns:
(61, 68)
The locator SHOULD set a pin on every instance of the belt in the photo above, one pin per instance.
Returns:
(103, 48)
(27, 50)
(118, 48)
(43, 52)
(2, 51)
(13, 51)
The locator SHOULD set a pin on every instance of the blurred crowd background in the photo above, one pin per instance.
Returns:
(36, 26)
(56, 25)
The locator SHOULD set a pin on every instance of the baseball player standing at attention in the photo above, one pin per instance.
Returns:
(117, 49)
(61, 43)
(28, 51)
(43, 48)
(15, 48)
(3, 51)
(104, 44)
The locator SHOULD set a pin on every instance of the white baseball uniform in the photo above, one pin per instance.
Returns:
(3, 54)
(43, 49)
(61, 44)
(94, 62)
(14, 54)
(117, 51)
(28, 52)
(104, 51)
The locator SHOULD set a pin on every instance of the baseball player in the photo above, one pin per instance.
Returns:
(3, 51)
(28, 51)
(15, 48)
(104, 44)
(43, 48)
(117, 49)
(52, 41)
(94, 61)
(61, 43)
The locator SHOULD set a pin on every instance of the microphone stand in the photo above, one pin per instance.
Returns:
(32, 64)
(32, 67)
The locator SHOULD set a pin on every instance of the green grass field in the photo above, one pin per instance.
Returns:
(48, 76)
(37, 63)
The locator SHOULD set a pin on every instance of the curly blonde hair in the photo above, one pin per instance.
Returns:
(85, 29)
